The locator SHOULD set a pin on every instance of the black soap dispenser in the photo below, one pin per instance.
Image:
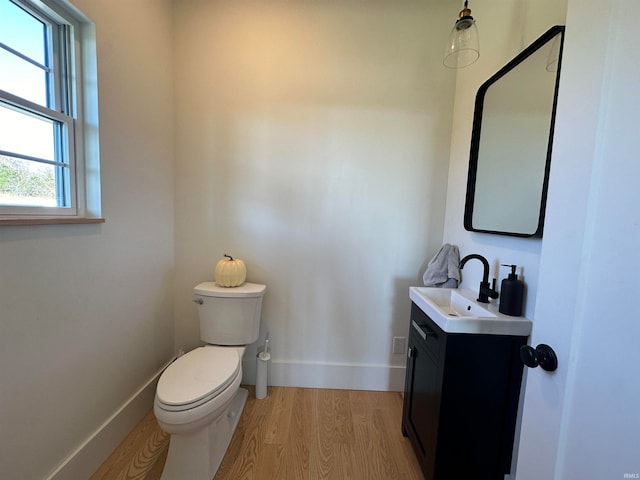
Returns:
(511, 294)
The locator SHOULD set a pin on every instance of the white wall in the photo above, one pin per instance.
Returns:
(312, 141)
(86, 311)
(505, 28)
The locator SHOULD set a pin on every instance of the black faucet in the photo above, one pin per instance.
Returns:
(486, 290)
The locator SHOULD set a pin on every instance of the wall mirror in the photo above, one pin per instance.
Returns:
(511, 142)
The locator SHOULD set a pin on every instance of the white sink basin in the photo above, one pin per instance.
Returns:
(452, 303)
(458, 311)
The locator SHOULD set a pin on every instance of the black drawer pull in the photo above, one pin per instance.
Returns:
(421, 332)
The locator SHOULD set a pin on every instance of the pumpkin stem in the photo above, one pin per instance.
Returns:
(228, 256)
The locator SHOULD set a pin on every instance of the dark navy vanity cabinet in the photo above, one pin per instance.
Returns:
(461, 400)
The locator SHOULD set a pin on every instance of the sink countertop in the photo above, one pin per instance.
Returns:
(434, 302)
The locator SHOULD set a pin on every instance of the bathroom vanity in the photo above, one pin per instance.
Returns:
(462, 385)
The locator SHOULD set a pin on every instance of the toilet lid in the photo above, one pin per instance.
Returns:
(198, 374)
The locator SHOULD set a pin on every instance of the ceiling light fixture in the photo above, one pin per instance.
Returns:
(463, 48)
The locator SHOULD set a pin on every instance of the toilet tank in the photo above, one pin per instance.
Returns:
(229, 315)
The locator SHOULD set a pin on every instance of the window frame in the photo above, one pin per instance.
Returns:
(73, 87)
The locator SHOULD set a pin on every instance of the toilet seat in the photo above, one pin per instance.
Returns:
(197, 377)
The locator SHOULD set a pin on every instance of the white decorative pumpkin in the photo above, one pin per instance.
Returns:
(230, 272)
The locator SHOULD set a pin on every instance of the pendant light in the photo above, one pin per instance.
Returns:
(463, 47)
(553, 59)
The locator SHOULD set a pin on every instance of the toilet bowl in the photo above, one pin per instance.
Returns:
(198, 397)
(198, 402)
(197, 387)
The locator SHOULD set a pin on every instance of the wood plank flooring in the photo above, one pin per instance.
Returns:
(140, 456)
(293, 434)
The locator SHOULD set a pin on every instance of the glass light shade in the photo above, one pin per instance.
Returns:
(553, 58)
(463, 47)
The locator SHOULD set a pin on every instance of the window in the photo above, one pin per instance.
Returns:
(47, 145)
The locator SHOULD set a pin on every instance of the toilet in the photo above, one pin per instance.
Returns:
(198, 398)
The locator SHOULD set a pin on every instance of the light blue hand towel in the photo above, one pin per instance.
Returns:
(443, 270)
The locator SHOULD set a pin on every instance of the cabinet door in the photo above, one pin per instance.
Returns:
(423, 404)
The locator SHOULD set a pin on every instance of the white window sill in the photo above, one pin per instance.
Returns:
(19, 221)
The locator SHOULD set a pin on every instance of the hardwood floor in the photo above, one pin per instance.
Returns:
(293, 434)
(140, 456)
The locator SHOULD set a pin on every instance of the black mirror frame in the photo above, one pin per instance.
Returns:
(477, 126)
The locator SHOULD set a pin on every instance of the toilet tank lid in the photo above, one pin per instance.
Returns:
(212, 289)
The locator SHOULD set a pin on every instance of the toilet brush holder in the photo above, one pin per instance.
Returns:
(261, 374)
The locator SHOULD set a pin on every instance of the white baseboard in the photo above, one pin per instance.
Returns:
(328, 375)
(87, 458)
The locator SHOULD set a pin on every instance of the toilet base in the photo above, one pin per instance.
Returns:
(197, 455)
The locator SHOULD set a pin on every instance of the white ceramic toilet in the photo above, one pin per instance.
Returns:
(198, 398)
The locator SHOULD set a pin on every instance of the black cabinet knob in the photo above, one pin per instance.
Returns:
(542, 355)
